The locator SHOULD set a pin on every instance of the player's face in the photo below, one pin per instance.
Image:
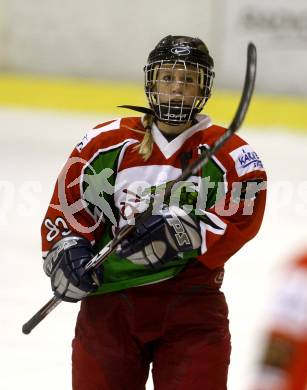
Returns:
(177, 84)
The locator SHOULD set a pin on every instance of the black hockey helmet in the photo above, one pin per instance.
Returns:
(187, 54)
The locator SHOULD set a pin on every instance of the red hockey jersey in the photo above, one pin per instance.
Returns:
(105, 182)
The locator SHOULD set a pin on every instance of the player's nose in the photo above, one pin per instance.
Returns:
(177, 87)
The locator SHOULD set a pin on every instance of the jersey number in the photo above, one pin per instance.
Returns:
(58, 227)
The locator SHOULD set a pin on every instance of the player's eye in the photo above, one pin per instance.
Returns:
(189, 79)
(167, 78)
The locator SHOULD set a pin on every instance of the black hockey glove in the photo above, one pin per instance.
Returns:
(65, 264)
(161, 237)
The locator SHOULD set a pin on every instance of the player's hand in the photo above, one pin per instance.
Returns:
(161, 237)
(65, 264)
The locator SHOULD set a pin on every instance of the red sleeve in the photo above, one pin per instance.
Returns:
(68, 211)
(78, 205)
(236, 218)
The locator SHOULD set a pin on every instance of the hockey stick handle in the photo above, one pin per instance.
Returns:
(101, 256)
(55, 301)
(40, 315)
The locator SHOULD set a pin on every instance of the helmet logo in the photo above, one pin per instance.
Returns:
(181, 50)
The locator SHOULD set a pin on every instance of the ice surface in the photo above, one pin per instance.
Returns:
(34, 146)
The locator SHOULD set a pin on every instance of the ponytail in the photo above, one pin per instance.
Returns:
(146, 146)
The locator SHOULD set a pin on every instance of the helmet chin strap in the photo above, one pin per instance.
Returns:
(173, 114)
(165, 117)
(143, 110)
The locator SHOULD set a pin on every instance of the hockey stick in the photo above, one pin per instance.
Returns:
(191, 169)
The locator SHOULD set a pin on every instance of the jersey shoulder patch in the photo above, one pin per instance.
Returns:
(246, 160)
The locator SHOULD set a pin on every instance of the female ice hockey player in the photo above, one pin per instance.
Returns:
(157, 299)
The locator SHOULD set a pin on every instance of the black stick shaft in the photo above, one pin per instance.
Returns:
(248, 88)
(40, 315)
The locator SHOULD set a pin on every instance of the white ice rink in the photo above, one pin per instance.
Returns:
(34, 147)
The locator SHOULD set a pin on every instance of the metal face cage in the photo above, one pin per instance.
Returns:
(177, 90)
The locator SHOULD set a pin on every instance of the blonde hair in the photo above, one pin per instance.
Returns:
(145, 147)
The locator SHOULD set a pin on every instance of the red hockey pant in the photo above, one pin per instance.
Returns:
(181, 329)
